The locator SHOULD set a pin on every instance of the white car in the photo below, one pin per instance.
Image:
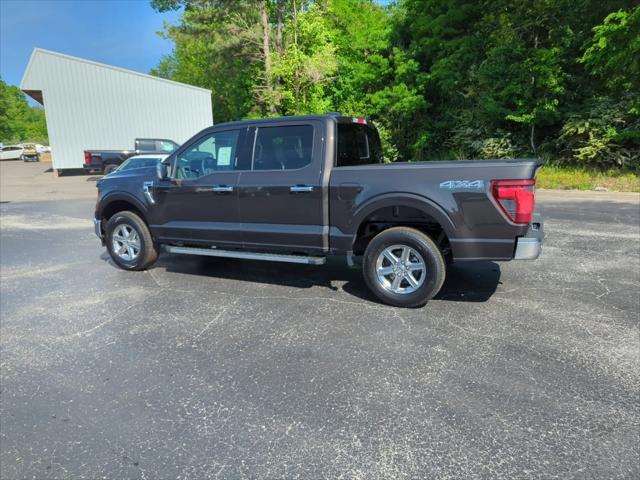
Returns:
(142, 161)
(11, 152)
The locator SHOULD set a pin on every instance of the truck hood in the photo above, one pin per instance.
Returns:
(141, 174)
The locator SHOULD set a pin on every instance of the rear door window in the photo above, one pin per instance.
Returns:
(283, 148)
(358, 144)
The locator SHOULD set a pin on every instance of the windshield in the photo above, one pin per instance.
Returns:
(133, 162)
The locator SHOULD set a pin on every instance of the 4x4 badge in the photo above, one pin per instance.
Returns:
(463, 185)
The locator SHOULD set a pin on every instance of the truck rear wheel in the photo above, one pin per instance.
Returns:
(129, 241)
(403, 267)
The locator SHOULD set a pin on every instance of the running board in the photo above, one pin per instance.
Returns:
(268, 257)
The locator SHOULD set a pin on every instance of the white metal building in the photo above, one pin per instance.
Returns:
(92, 106)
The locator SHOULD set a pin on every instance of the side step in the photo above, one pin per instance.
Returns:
(269, 257)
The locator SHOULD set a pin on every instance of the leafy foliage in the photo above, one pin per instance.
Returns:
(615, 50)
(20, 122)
(441, 78)
(605, 135)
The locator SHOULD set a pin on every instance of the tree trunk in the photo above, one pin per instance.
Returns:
(533, 83)
(532, 137)
(295, 23)
(279, 8)
(264, 17)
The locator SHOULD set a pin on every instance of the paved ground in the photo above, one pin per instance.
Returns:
(205, 368)
(28, 182)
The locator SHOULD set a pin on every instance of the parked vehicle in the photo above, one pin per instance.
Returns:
(43, 148)
(141, 161)
(11, 152)
(108, 161)
(296, 189)
(30, 153)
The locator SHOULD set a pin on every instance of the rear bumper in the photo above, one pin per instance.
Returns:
(92, 168)
(529, 247)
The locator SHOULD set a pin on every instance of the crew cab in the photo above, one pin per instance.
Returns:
(107, 161)
(298, 189)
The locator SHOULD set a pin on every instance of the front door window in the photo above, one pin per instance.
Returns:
(214, 153)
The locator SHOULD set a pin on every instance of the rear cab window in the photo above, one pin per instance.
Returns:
(358, 144)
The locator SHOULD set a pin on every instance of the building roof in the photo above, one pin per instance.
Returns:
(36, 51)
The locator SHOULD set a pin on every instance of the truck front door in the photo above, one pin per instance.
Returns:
(281, 197)
(199, 204)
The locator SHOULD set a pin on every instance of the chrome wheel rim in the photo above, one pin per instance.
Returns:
(400, 269)
(125, 242)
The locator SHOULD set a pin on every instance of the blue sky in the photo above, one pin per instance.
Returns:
(117, 32)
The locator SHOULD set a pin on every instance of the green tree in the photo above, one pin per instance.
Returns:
(217, 46)
(440, 78)
(20, 122)
(305, 64)
(614, 53)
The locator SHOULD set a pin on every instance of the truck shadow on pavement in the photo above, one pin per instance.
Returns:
(472, 282)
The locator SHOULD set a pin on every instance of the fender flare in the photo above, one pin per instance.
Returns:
(109, 198)
(404, 200)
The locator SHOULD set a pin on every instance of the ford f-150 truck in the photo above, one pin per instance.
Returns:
(297, 189)
(108, 161)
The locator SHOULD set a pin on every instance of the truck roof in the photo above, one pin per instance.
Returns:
(338, 117)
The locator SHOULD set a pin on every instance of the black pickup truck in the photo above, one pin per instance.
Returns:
(107, 161)
(297, 189)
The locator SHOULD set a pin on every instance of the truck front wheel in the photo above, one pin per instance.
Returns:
(129, 241)
(403, 267)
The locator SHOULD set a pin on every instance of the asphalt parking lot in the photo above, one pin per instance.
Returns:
(216, 368)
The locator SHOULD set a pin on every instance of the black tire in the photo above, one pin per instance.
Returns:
(110, 169)
(147, 254)
(434, 274)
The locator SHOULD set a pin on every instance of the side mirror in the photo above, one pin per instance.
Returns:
(162, 170)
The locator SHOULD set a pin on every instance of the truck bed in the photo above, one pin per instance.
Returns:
(455, 194)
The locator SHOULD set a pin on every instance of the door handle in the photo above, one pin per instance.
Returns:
(222, 188)
(215, 188)
(301, 189)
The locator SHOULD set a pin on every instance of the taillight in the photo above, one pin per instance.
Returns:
(87, 158)
(516, 198)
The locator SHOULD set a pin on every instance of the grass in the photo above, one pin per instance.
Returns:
(575, 178)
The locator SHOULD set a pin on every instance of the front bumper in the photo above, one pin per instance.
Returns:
(529, 247)
(97, 225)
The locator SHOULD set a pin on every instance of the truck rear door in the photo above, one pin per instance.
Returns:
(281, 197)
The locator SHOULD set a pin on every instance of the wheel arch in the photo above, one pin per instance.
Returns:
(399, 209)
(119, 202)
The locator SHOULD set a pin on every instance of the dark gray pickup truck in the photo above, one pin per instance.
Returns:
(107, 161)
(297, 189)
